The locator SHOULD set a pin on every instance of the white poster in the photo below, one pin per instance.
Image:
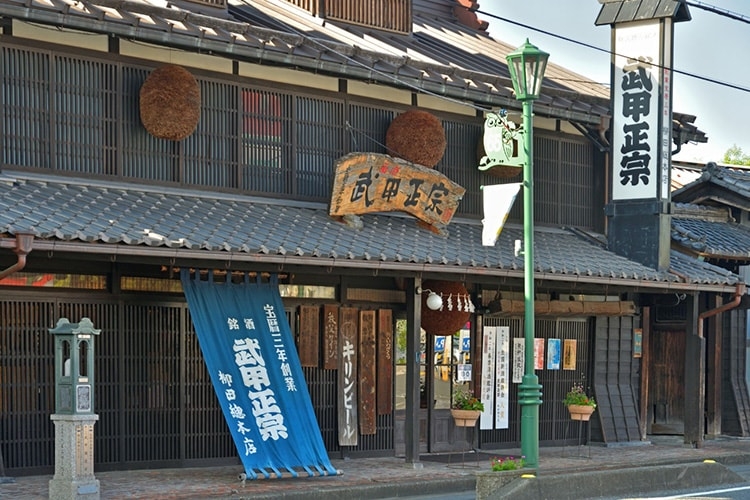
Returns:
(489, 335)
(502, 361)
(635, 121)
(518, 360)
(463, 373)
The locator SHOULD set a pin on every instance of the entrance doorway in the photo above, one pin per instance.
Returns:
(441, 358)
(667, 382)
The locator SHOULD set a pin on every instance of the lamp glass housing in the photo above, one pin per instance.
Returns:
(434, 301)
(527, 65)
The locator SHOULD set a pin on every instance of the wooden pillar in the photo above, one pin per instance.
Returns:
(645, 398)
(695, 375)
(713, 370)
(413, 328)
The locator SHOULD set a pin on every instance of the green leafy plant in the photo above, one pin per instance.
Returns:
(508, 463)
(465, 400)
(577, 396)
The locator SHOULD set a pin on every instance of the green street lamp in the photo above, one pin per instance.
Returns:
(526, 65)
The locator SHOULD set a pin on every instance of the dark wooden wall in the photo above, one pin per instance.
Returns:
(616, 381)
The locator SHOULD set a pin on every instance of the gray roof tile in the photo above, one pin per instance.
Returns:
(440, 55)
(720, 240)
(172, 218)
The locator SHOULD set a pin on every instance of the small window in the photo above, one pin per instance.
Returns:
(308, 291)
(49, 280)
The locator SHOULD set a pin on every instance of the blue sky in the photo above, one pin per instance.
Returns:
(704, 46)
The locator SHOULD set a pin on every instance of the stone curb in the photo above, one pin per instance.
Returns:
(604, 483)
(435, 486)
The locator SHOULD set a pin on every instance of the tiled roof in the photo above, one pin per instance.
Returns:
(441, 56)
(118, 218)
(732, 178)
(710, 231)
(718, 240)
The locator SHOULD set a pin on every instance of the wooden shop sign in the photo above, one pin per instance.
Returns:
(371, 182)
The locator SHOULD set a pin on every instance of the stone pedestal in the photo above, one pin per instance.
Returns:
(74, 458)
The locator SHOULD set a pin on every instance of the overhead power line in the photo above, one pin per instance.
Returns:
(594, 47)
(719, 11)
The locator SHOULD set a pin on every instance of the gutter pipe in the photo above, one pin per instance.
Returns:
(739, 292)
(24, 242)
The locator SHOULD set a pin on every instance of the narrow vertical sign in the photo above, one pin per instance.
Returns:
(367, 372)
(519, 360)
(635, 121)
(569, 354)
(501, 377)
(309, 335)
(330, 337)
(553, 354)
(347, 377)
(488, 376)
(385, 362)
(538, 354)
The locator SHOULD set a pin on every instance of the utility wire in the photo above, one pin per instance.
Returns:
(594, 47)
(719, 11)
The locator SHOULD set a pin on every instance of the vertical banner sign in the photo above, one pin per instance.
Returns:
(519, 360)
(502, 394)
(665, 121)
(637, 342)
(385, 362)
(553, 354)
(249, 352)
(569, 354)
(538, 354)
(489, 334)
(347, 388)
(497, 201)
(636, 134)
(330, 337)
(309, 335)
(367, 372)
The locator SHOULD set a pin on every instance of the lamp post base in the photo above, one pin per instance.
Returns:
(530, 398)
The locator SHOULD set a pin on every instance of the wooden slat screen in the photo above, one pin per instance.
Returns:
(554, 421)
(153, 394)
(249, 139)
(391, 15)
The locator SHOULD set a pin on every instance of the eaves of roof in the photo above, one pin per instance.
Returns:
(476, 74)
(723, 185)
(118, 219)
(712, 239)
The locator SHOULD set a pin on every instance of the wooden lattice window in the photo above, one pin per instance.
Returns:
(390, 15)
(221, 4)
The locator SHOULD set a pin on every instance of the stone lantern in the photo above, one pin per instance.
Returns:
(74, 416)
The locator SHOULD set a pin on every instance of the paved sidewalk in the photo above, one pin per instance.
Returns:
(372, 478)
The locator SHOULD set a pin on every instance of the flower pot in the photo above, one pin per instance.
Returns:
(465, 418)
(580, 412)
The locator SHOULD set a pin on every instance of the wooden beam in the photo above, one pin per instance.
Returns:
(569, 308)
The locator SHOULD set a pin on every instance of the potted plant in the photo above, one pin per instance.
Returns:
(580, 405)
(466, 408)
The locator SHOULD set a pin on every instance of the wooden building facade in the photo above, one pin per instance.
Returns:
(117, 211)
